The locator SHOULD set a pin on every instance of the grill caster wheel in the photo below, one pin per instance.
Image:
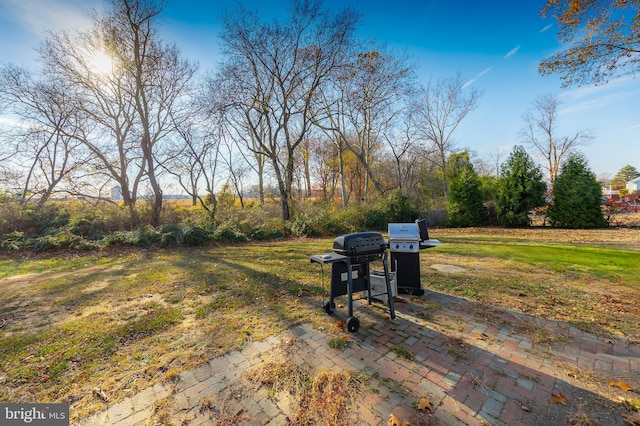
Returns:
(353, 324)
(329, 307)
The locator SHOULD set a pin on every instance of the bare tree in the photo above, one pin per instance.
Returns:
(367, 96)
(406, 153)
(540, 133)
(276, 69)
(219, 102)
(495, 160)
(237, 168)
(323, 160)
(442, 106)
(134, 101)
(192, 159)
(159, 74)
(47, 110)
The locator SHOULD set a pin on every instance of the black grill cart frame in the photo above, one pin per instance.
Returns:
(342, 266)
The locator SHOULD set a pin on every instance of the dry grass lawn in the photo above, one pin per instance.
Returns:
(122, 320)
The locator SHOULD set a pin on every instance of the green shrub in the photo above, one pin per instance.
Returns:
(10, 215)
(60, 240)
(264, 232)
(323, 219)
(372, 219)
(229, 233)
(120, 238)
(397, 207)
(146, 235)
(300, 226)
(12, 241)
(195, 235)
(89, 225)
(170, 235)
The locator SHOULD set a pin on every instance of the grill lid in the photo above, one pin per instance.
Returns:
(359, 243)
(404, 232)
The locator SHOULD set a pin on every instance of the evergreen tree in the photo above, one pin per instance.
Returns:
(520, 189)
(464, 206)
(577, 197)
(624, 175)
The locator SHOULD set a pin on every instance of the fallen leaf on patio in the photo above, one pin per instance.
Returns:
(395, 421)
(620, 384)
(633, 419)
(624, 386)
(101, 394)
(558, 399)
(425, 405)
(340, 324)
(480, 336)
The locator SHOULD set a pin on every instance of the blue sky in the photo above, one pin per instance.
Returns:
(495, 45)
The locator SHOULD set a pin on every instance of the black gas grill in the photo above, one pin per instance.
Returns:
(361, 246)
(405, 242)
(350, 270)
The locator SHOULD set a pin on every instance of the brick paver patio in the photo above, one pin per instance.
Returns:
(475, 364)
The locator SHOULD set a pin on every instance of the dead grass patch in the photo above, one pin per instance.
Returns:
(580, 419)
(280, 376)
(328, 399)
(540, 334)
(457, 348)
(322, 398)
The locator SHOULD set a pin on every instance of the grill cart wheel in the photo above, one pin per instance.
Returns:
(329, 307)
(353, 324)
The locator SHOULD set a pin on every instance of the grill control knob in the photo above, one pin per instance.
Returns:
(397, 246)
(411, 247)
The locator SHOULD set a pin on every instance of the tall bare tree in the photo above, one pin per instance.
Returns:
(367, 96)
(48, 111)
(540, 133)
(276, 69)
(192, 159)
(603, 38)
(441, 107)
(135, 100)
(219, 100)
(406, 153)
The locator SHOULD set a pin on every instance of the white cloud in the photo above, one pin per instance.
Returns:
(512, 52)
(634, 127)
(39, 15)
(483, 72)
(468, 83)
(583, 92)
(11, 122)
(598, 102)
(473, 80)
(546, 28)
